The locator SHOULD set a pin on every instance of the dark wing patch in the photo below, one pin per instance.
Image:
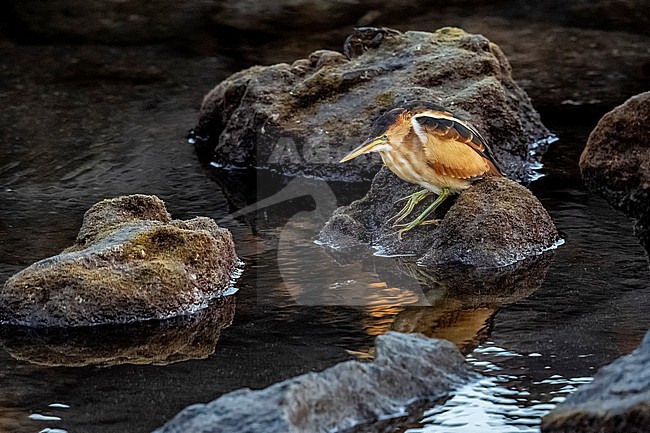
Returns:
(451, 128)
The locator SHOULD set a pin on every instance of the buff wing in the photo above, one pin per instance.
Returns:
(454, 147)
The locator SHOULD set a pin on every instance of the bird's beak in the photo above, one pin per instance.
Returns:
(367, 146)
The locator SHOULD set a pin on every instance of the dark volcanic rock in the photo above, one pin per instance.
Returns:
(130, 262)
(616, 160)
(302, 118)
(407, 368)
(617, 401)
(494, 223)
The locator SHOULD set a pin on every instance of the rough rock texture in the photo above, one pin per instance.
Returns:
(130, 262)
(408, 368)
(153, 342)
(494, 223)
(302, 118)
(616, 160)
(617, 401)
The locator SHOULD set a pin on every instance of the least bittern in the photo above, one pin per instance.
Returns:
(425, 144)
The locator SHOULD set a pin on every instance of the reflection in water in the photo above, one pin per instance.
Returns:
(463, 300)
(457, 303)
(154, 342)
(465, 328)
(453, 303)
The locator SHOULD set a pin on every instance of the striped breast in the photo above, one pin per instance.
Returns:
(411, 167)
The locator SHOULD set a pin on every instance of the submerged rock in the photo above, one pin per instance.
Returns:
(407, 369)
(494, 223)
(616, 160)
(130, 262)
(302, 118)
(617, 401)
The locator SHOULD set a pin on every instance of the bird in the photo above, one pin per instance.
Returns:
(426, 144)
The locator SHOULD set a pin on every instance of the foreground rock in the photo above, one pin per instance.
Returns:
(148, 343)
(617, 401)
(407, 369)
(494, 223)
(302, 118)
(616, 160)
(130, 262)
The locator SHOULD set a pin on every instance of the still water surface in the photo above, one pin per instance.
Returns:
(534, 335)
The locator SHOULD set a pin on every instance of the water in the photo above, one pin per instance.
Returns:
(535, 336)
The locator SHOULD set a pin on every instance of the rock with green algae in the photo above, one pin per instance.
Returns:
(302, 118)
(130, 262)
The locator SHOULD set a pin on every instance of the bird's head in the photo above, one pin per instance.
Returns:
(391, 127)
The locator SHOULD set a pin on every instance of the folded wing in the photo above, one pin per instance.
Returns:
(454, 147)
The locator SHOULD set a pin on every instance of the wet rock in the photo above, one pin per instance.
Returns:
(149, 343)
(616, 160)
(407, 369)
(130, 262)
(302, 118)
(617, 401)
(494, 223)
(111, 21)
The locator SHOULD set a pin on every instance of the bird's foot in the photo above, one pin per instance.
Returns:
(421, 218)
(413, 200)
(413, 224)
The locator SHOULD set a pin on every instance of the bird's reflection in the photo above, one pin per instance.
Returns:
(462, 301)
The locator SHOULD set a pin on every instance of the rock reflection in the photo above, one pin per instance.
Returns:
(463, 301)
(154, 342)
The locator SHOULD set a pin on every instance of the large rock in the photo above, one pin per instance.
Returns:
(616, 160)
(130, 262)
(302, 118)
(617, 401)
(407, 369)
(494, 223)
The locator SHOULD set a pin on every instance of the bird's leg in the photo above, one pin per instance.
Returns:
(413, 200)
(420, 219)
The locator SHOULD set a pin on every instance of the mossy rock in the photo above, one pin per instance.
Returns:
(131, 262)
